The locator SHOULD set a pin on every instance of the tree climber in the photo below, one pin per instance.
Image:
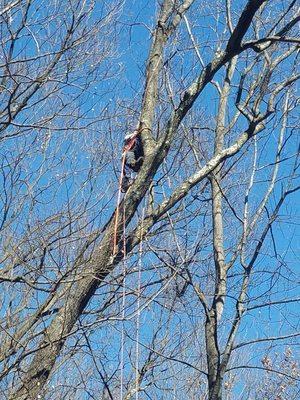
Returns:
(134, 156)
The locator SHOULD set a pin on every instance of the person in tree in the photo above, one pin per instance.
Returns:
(134, 156)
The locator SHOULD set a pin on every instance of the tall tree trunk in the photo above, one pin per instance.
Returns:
(213, 356)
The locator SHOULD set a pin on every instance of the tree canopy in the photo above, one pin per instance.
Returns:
(186, 285)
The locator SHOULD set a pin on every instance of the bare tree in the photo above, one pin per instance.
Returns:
(201, 266)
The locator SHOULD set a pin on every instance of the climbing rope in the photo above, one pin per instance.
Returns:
(122, 364)
(138, 311)
(118, 205)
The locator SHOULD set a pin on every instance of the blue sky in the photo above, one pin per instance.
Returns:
(75, 153)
